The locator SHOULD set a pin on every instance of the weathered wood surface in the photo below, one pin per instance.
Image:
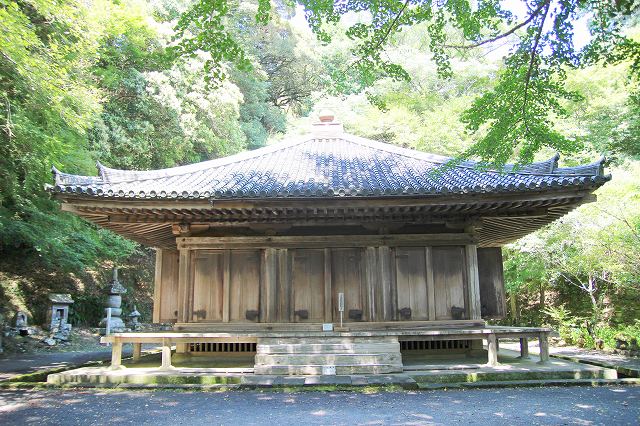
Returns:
(492, 293)
(491, 334)
(165, 298)
(449, 280)
(400, 283)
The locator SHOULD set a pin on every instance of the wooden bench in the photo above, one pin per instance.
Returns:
(492, 334)
(166, 340)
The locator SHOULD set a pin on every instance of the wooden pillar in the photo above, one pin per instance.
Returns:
(226, 285)
(285, 313)
(328, 305)
(372, 280)
(544, 347)
(387, 312)
(116, 354)
(166, 354)
(492, 352)
(184, 286)
(137, 351)
(269, 290)
(157, 287)
(473, 282)
(431, 287)
(524, 348)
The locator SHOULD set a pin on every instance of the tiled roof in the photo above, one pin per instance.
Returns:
(322, 167)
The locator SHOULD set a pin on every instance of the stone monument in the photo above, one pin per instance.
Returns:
(114, 301)
(59, 312)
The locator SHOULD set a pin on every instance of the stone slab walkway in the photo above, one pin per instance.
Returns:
(629, 366)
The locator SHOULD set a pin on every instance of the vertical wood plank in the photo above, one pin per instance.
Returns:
(207, 286)
(184, 285)
(393, 286)
(307, 284)
(226, 282)
(157, 287)
(284, 284)
(166, 355)
(116, 354)
(543, 339)
(386, 297)
(137, 351)
(473, 281)
(492, 350)
(431, 291)
(328, 307)
(269, 289)
(491, 278)
(524, 348)
(372, 281)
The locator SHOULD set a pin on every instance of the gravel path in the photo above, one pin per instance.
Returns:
(533, 406)
(15, 364)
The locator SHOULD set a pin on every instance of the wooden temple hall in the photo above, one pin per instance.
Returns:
(328, 250)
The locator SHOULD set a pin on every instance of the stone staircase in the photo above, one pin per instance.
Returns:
(308, 355)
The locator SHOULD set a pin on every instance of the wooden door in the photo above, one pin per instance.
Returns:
(244, 286)
(347, 277)
(449, 281)
(167, 277)
(208, 272)
(411, 281)
(307, 284)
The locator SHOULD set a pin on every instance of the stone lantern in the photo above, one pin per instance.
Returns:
(133, 319)
(114, 301)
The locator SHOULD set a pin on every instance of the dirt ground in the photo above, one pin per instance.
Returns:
(81, 339)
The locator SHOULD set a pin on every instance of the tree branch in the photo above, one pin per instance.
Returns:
(503, 35)
(533, 54)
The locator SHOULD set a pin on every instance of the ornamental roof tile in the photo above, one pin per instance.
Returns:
(325, 167)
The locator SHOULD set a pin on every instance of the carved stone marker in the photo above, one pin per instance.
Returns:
(59, 312)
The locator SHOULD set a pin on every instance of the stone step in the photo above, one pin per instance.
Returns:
(326, 339)
(314, 370)
(328, 348)
(328, 359)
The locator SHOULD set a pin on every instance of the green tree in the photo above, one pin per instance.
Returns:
(513, 119)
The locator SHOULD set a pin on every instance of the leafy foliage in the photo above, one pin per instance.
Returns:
(515, 118)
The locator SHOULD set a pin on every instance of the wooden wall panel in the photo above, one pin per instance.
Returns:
(307, 285)
(449, 276)
(385, 296)
(208, 285)
(347, 277)
(490, 271)
(167, 285)
(244, 284)
(411, 282)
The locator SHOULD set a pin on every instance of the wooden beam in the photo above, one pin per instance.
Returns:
(325, 241)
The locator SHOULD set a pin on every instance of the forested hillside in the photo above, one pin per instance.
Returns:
(104, 81)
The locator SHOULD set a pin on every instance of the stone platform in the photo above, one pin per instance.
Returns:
(417, 373)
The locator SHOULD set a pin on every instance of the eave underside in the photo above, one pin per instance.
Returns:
(495, 221)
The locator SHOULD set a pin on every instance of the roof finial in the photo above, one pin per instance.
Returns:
(326, 116)
(327, 127)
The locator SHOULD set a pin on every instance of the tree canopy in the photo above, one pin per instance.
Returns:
(515, 118)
